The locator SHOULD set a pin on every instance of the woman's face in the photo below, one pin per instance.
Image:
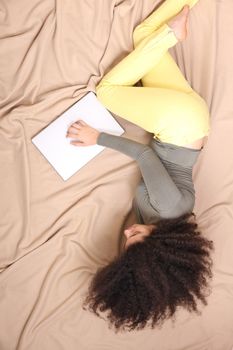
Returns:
(137, 233)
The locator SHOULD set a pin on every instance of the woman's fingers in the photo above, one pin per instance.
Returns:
(79, 123)
(82, 133)
(77, 143)
(138, 228)
(75, 127)
(131, 230)
(72, 130)
(71, 135)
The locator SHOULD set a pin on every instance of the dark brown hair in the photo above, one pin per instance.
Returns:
(146, 283)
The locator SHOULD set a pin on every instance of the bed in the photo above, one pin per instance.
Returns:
(55, 234)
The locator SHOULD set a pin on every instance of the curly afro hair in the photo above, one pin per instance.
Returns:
(148, 281)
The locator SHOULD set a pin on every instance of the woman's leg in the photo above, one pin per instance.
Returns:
(172, 115)
(166, 74)
(141, 60)
(160, 75)
(167, 10)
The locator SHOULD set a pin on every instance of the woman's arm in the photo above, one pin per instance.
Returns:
(164, 195)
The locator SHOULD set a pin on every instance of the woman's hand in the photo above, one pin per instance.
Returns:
(84, 134)
(139, 229)
(137, 233)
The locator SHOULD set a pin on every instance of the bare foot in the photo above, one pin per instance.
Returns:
(179, 23)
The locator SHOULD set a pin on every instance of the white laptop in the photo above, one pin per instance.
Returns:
(52, 142)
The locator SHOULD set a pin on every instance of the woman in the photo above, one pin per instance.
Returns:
(165, 263)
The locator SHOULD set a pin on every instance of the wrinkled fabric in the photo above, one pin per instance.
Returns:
(55, 234)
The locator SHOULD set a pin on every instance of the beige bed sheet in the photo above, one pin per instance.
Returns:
(55, 234)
